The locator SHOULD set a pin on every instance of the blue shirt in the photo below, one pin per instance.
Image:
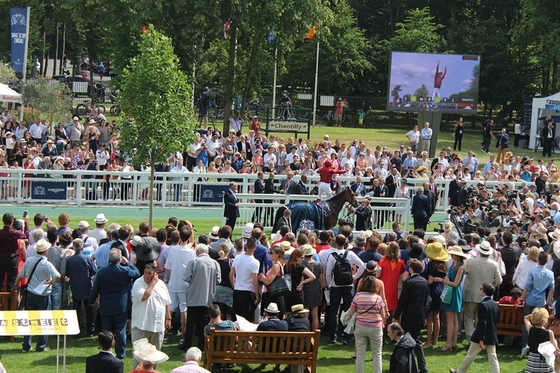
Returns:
(539, 281)
(102, 254)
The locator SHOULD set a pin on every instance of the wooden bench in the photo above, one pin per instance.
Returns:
(510, 320)
(295, 348)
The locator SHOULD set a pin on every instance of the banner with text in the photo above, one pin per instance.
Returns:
(39, 323)
(288, 126)
(19, 31)
(212, 193)
(48, 190)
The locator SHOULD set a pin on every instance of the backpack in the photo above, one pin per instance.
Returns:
(342, 269)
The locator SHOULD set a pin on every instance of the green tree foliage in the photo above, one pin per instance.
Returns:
(51, 98)
(6, 73)
(156, 119)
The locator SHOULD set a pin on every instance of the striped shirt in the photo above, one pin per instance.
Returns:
(368, 309)
(44, 272)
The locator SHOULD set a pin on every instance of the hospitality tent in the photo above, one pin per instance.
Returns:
(8, 95)
(548, 107)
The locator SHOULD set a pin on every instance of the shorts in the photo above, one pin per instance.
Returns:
(338, 117)
(178, 299)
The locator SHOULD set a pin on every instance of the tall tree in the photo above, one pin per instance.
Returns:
(51, 98)
(155, 90)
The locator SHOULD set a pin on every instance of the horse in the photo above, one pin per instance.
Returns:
(316, 215)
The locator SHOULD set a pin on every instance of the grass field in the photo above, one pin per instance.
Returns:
(332, 358)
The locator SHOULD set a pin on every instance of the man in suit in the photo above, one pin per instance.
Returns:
(432, 197)
(244, 146)
(480, 270)
(104, 361)
(299, 187)
(419, 210)
(113, 284)
(231, 205)
(391, 182)
(379, 191)
(358, 187)
(411, 308)
(485, 336)
(547, 137)
(258, 189)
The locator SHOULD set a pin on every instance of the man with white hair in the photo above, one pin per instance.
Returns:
(37, 234)
(192, 362)
(90, 243)
(203, 274)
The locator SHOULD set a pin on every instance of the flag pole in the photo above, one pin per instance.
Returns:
(274, 83)
(316, 82)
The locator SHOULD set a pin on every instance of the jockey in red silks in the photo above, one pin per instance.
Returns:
(325, 174)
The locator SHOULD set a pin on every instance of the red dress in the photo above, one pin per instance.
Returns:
(391, 271)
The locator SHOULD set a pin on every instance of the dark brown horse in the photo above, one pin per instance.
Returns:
(312, 215)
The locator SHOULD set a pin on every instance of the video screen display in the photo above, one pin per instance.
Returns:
(445, 83)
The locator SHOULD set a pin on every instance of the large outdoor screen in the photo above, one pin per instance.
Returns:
(433, 82)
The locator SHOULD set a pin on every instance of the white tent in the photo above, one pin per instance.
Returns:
(8, 95)
(539, 111)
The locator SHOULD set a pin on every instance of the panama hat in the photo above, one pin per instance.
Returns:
(287, 247)
(247, 230)
(485, 248)
(100, 219)
(42, 245)
(372, 267)
(272, 308)
(214, 233)
(308, 250)
(555, 234)
(436, 251)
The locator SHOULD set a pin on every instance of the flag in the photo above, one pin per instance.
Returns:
(271, 37)
(311, 33)
(226, 28)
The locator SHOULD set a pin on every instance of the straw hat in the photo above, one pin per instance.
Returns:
(100, 219)
(308, 250)
(421, 168)
(436, 251)
(541, 230)
(214, 233)
(555, 234)
(147, 353)
(287, 247)
(42, 245)
(247, 230)
(372, 267)
(299, 308)
(457, 251)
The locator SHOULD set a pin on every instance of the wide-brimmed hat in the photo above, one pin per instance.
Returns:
(308, 250)
(145, 352)
(247, 230)
(457, 251)
(272, 308)
(555, 234)
(416, 251)
(287, 247)
(42, 245)
(372, 267)
(436, 251)
(136, 240)
(299, 308)
(100, 219)
(541, 229)
(421, 168)
(485, 248)
(214, 233)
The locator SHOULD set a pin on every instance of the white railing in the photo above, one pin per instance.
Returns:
(131, 188)
(385, 211)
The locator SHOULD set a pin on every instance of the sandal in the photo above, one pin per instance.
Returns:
(447, 348)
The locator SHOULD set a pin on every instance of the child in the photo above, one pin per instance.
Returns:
(512, 298)
(535, 322)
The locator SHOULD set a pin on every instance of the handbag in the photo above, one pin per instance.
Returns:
(446, 294)
(282, 285)
(223, 295)
(349, 321)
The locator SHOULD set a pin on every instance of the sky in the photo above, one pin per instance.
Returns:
(411, 70)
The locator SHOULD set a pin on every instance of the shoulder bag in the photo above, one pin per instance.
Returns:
(282, 285)
(24, 288)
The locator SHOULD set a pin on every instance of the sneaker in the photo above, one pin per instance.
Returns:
(524, 352)
(333, 341)
(24, 350)
(182, 339)
(46, 349)
(345, 342)
(166, 340)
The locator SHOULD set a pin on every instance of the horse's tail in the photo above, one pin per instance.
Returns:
(279, 214)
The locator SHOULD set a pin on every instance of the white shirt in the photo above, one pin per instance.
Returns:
(181, 170)
(102, 157)
(149, 314)
(90, 245)
(245, 265)
(517, 128)
(349, 161)
(98, 234)
(413, 136)
(352, 258)
(177, 260)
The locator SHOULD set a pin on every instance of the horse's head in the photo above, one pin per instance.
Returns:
(351, 199)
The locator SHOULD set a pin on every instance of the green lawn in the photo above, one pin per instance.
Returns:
(332, 358)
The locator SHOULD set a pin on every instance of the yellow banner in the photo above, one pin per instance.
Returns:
(39, 323)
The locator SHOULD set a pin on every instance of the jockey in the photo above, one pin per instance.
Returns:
(325, 174)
